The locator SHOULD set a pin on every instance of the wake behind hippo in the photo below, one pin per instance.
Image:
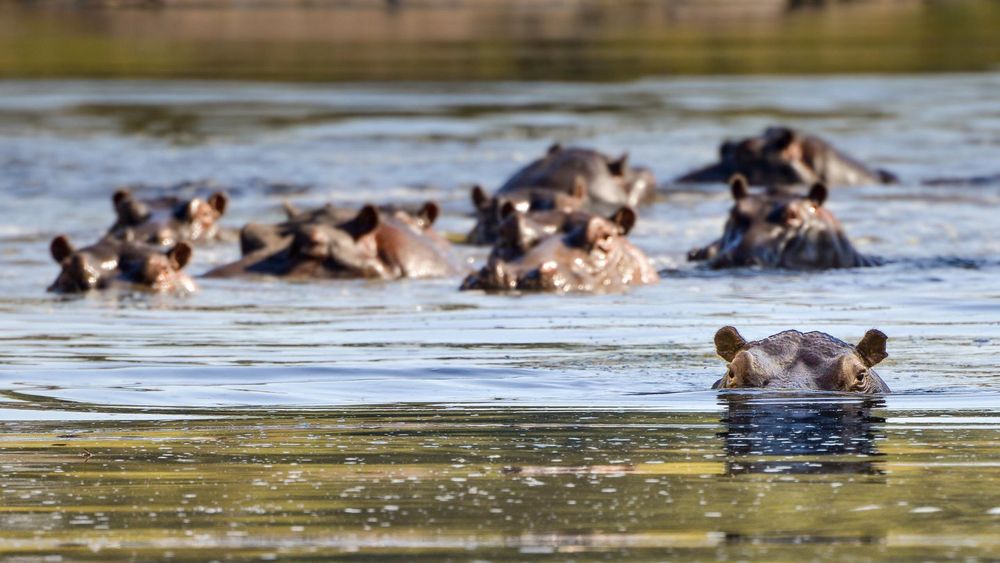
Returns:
(567, 179)
(778, 229)
(782, 156)
(593, 256)
(333, 242)
(796, 360)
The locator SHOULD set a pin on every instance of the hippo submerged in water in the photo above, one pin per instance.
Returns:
(333, 242)
(593, 255)
(566, 178)
(795, 360)
(167, 220)
(775, 229)
(782, 157)
(112, 262)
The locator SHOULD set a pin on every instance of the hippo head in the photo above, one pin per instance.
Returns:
(100, 265)
(778, 157)
(188, 220)
(148, 267)
(519, 232)
(793, 360)
(201, 216)
(780, 230)
(593, 256)
(346, 249)
(491, 211)
(92, 267)
(637, 182)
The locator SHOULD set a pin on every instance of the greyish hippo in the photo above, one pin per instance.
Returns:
(795, 360)
(594, 257)
(778, 229)
(333, 242)
(783, 157)
(590, 179)
(112, 262)
(168, 220)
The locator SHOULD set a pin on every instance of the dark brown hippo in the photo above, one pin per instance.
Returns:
(491, 211)
(112, 262)
(782, 157)
(609, 181)
(591, 179)
(594, 257)
(520, 231)
(168, 220)
(777, 229)
(795, 360)
(333, 242)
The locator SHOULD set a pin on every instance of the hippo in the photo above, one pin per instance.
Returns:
(333, 242)
(779, 229)
(795, 360)
(782, 156)
(589, 178)
(168, 220)
(595, 256)
(114, 262)
(490, 211)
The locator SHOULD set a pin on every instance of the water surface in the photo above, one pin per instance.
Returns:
(368, 418)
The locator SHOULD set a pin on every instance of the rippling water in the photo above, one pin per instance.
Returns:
(326, 370)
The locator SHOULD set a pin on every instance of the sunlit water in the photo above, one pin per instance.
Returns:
(272, 403)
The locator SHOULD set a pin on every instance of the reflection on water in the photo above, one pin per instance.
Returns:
(427, 483)
(797, 435)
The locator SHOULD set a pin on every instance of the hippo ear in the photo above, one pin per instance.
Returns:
(507, 209)
(625, 218)
(120, 196)
(739, 187)
(554, 148)
(365, 222)
(579, 187)
(479, 198)
(872, 347)
(60, 248)
(429, 213)
(728, 342)
(179, 255)
(618, 166)
(818, 193)
(218, 201)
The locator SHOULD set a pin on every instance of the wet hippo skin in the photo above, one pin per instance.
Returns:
(168, 220)
(333, 242)
(779, 229)
(796, 360)
(567, 179)
(112, 262)
(594, 256)
(782, 156)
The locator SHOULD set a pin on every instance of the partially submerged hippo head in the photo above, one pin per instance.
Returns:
(781, 230)
(333, 242)
(491, 211)
(795, 360)
(782, 156)
(595, 256)
(113, 262)
(609, 181)
(168, 220)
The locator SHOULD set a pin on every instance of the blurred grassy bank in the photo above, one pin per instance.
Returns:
(492, 39)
